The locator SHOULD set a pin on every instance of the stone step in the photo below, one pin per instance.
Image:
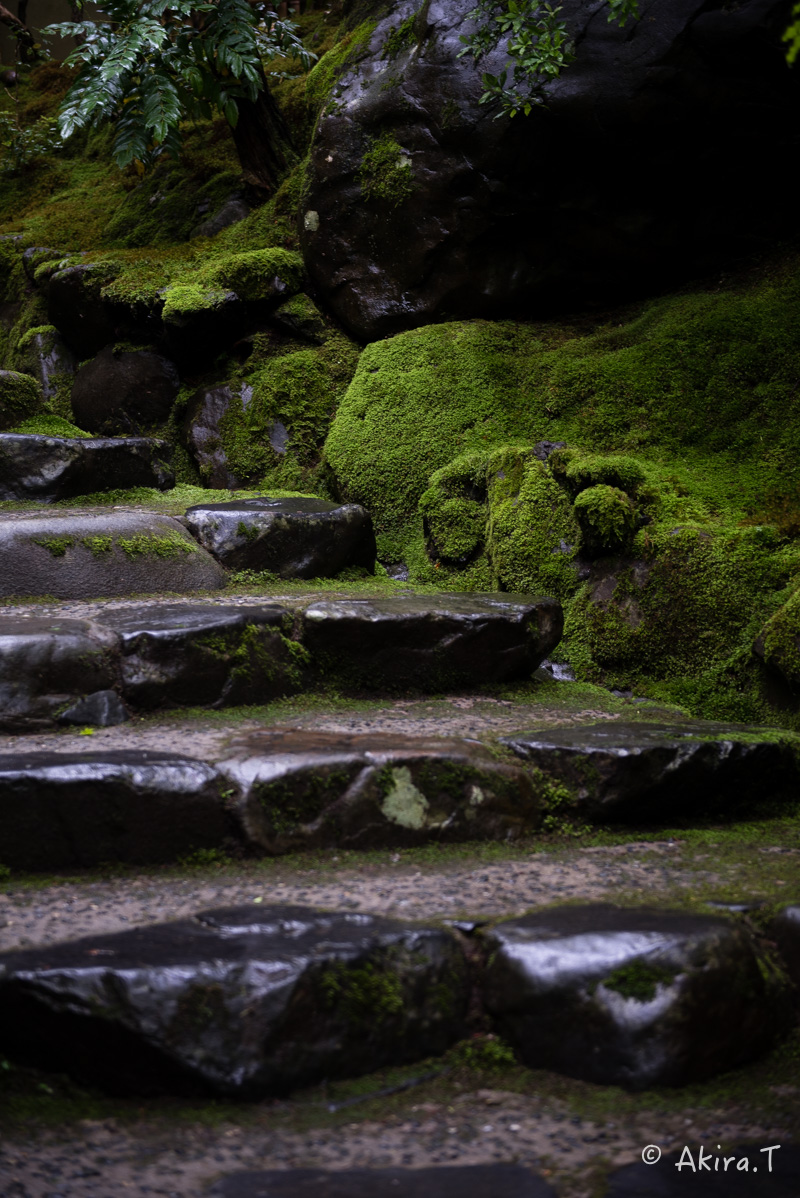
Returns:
(443, 1181)
(644, 772)
(48, 468)
(101, 553)
(242, 1001)
(261, 999)
(155, 655)
(306, 790)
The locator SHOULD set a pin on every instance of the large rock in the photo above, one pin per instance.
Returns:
(102, 553)
(421, 207)
(88, 319)
(49, 468)
(202, 428)
(708, 1170)
(43, 354)
(293, 538)
(785, 931)
(632, 998)
(302, 790)
(46, 665)
(124, 391)
(209, 654)
(431, 642)
(442, 1181)
(245, 1001)
(648, 771)
(67, 811)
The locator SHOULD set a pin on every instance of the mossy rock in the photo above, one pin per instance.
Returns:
(20, 398)
(257, 275)
(607, 519)
(779, 642)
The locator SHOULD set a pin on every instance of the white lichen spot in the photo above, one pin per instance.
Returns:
(404, 804)
(476, 796)
(311, 221)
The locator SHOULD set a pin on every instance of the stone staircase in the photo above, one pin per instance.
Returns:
(123, 614)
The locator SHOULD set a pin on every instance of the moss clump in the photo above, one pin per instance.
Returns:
(48, 425)
(321, 80)
(20, 398)
(607, 518)
(185, 299)
(98, 545)
(385, 173)
(638, 980)
(55, 546)
(164, 545)
(259, 274)
(779, 641)
(362, 995)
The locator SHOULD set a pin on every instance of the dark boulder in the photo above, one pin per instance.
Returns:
(431, 642)
(442, 1181)
(633, 998)
(124, 391)
(208, 654)
(785, 931)
(649, 771)
(229, 213)
(421, 207)
(702, 1172)
(102, 553)
(44, 355)
(88, 319)
(244, 1002)
(308, 790)
(74, 810)
(101, 709)
(293, 538)
(50, 468)
(49, 664)
(202, 429)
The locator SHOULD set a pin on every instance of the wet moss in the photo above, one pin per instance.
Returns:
(20, 398)
(385, 173)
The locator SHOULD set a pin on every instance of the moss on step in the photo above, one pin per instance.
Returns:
(48, 425)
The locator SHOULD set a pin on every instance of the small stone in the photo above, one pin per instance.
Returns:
(103, 709)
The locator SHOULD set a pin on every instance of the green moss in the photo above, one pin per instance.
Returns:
(20, 398)
(55, 546)
(259, 274)
(638, 980)
(322, 79)
(400, 38)
(163, 545)
(98, 545)
(184, 299)
(49, 426)
(385, 173)
(780, 639)
(607, 518)
(362, 995)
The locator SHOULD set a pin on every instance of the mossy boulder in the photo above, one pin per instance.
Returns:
(260, 275)
(778, 642)
(607, 519)
(20, 398)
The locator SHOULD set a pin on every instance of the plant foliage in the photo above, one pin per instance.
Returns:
(538, 44)
(152, 63)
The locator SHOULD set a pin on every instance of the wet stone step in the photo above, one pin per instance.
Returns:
(46, 468)
(304, 790)
(619, 771)
(767, 1170)
(443, 1181)
(634, 998)
(204, 654)
(243, 1002)
(102, 554)
(293, 538)
(431, 642)
(63, 811)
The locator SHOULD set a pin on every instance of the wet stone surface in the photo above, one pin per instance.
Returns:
(471, 1181)
(102, 553)
(58, 812)
(240, 1001)
(293, 538)
(636, 998)
(432, 641)
(646, 771)
(47, 468)
(304, 789)
(192, 655)
(778, 1174)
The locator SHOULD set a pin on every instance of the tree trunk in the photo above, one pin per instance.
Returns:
(263, 142)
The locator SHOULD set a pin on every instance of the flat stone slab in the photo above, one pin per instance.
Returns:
(243, 1001)
(632, 998)
(751, 1169)
(205, 654)
(49, 664)
(293, 538)
(65, 810)
(443, 1181)
(646, 771)
(49, 468)
(431, 642)
(302, 790)
(102, 554)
